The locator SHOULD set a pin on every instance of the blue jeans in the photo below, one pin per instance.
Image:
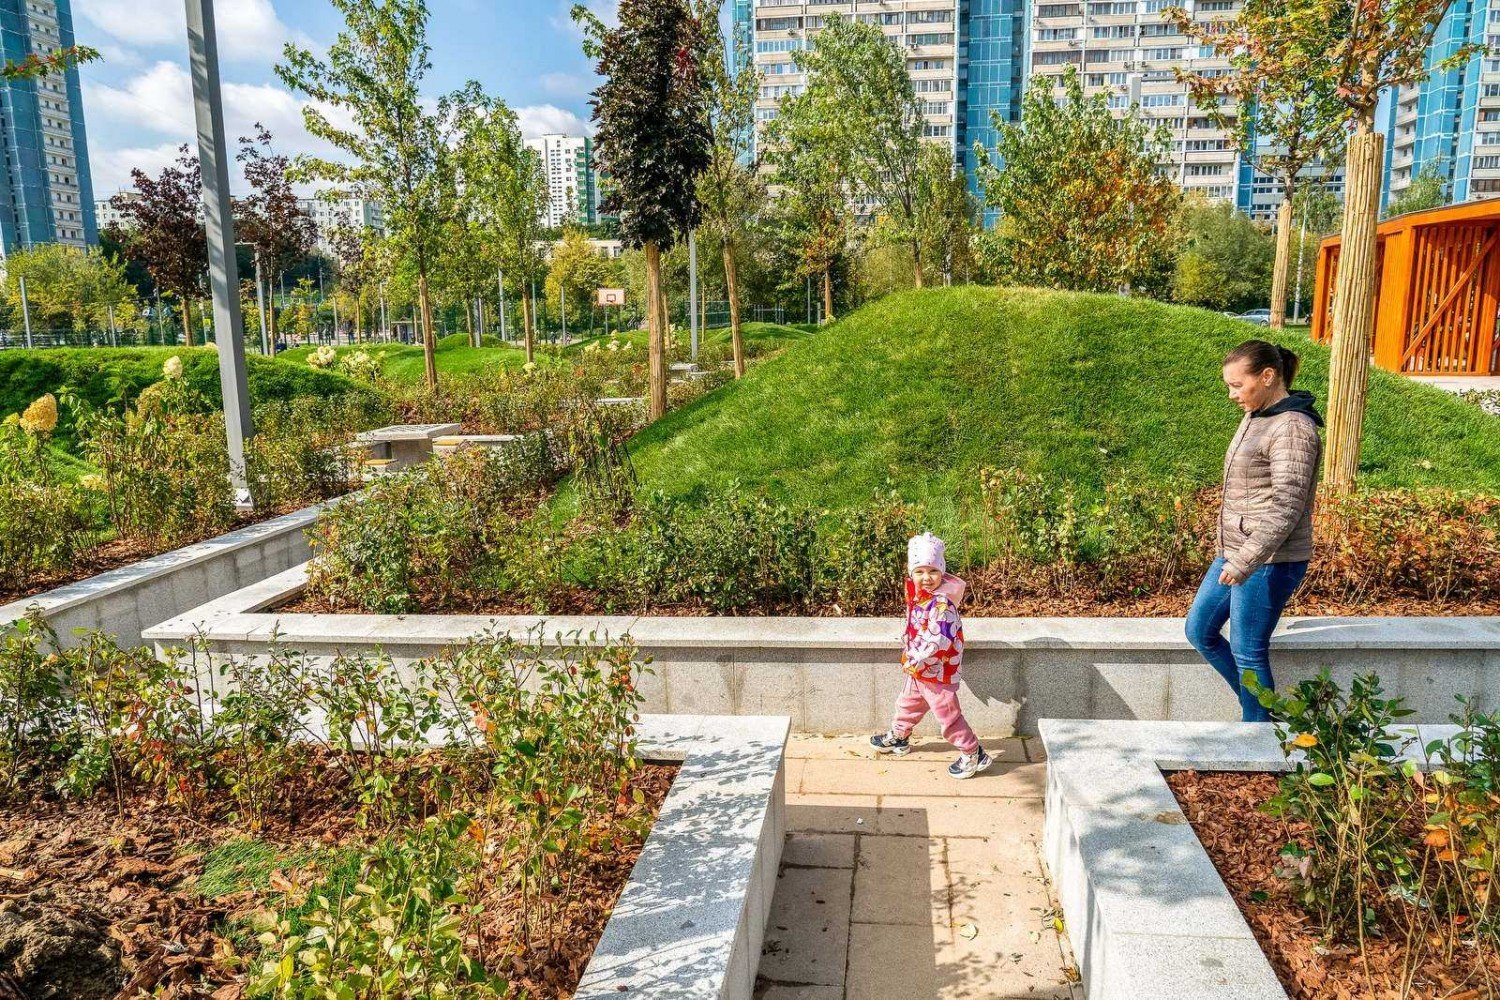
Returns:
(1252, 609)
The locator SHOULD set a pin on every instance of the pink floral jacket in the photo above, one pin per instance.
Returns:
(933, 650)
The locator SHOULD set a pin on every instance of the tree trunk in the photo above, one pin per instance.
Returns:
(732, 293)
(656, 321)
(1283, 259)
(429, 341)
(271, 321)
(916, 264)
(1353, 306)
(469, 320)
(187, 321)
(528, 321)
(828, 295)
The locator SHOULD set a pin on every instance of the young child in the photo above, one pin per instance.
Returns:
(932, 655)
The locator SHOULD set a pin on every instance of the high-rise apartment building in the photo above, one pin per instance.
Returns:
(45, 192)
(971, 60)
(330, 215)
(572, 184)
(1450, 123)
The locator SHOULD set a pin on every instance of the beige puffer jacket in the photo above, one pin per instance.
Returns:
(1270, 484)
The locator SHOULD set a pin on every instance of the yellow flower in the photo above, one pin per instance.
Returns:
(41, 416)
(1305, 740)
(172, 368)
(529, 366)
(94, 481)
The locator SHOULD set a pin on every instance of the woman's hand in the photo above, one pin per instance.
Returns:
(1228, 577)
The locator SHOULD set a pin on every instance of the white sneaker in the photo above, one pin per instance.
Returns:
(969, 765)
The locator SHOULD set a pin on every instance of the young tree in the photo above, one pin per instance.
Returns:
(1081, 202)
(1226, 259)
(505, 191)
(270, 220)
(730, 190)
(859, 84)
(1357, 50)
(1281, 121)
(1427, 190)
(165, 233)
(653, 138)
(356, 268)
(398, 151)
(813, 209)
(578, 270)
(948, 214)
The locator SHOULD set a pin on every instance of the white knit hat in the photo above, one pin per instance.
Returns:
(926, 549)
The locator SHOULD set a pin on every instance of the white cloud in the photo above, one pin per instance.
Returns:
(160, 101)
(110, 168)
(247, 29)
(545, 119)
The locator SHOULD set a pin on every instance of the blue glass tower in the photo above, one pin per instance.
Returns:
(991, 75)
(46, 194)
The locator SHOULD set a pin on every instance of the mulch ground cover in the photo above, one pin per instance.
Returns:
(102, 900)
(1245, 843)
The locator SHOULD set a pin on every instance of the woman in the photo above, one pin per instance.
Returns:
(1265, 534)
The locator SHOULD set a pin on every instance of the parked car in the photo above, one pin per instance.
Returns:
(1260, 317)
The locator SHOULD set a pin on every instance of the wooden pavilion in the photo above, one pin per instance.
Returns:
(1437, 298)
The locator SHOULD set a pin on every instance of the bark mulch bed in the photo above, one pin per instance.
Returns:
(1245, 843)
(100, 901)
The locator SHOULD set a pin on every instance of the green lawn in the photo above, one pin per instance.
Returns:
(404, 362)
(920, 390)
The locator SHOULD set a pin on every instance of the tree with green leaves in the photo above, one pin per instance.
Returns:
(947, 218)
(575, 272)
(270, 219)
(504, 190)
(356, 268)
(813, 210)
(68, 287)
(1082, 204)
(730, 190)
(858, 83)
(164, 233)
(654, 139)
(1356, 50)
(397, 150)
(1226, 259)
(1429, 189)
(1282, 122)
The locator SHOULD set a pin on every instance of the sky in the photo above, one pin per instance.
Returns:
(138, 100)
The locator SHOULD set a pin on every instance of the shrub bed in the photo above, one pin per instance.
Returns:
(1363, 876)
(1034, 548)
(160, 475)
(283, 830)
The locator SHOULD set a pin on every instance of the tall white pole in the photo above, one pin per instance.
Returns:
(25, 310)
(1297, 295)
(693, 291)
(563, 291)
(223, 269)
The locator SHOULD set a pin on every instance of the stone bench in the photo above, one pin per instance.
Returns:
(405, 444)
(450, 443)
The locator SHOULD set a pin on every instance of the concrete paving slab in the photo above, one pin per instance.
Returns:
(807, 933)
(895, 882)
(818, 850)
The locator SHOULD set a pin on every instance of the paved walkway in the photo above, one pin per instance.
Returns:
(899, 882)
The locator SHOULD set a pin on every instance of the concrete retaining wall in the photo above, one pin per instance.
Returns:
(125, 601)
(839, 675)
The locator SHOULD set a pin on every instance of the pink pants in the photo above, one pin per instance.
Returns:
(917, 697)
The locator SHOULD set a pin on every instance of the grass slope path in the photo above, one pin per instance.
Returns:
(919, 390)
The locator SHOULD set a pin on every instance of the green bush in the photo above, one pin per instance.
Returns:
(301, 451)
(113, 377)
(44, 522)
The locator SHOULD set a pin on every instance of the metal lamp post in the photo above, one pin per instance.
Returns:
(223, 269)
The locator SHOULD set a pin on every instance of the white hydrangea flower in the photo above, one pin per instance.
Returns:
(172, 367)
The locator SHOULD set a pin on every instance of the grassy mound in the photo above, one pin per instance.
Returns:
(404, 362)
(919, 391)
(102, 375)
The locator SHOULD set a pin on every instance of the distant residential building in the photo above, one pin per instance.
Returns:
(329, 215)
(46, 195)
(572, 183)
(106, 215)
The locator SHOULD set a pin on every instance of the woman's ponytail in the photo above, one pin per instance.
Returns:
(1260, 355)
(1289, 365)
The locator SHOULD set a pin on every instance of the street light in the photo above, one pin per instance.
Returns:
(223, 269)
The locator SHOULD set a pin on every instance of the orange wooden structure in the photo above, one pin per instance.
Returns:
(1437, 293)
